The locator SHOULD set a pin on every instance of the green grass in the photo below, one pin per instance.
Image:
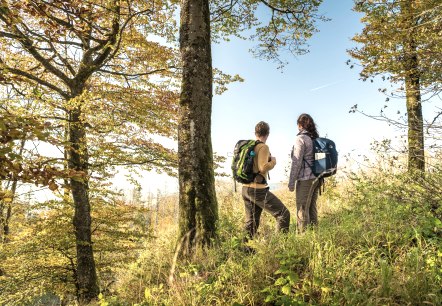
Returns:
(378, 243)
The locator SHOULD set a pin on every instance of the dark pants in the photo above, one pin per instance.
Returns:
(306, 197)
(257, 200)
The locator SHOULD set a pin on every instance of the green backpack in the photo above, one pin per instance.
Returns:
(242, 164)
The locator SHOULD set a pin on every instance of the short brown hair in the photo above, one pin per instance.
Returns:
(262, 129)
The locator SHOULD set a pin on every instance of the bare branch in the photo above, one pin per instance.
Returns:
(283, 11)
(136, 74)
(432, 122)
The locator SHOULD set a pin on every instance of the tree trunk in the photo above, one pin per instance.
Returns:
(197, 200)
(8, 215)
(8, 206)
(78, 161)
(416, 158)
(6, 212)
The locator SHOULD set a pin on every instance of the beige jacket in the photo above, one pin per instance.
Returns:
(262, 164)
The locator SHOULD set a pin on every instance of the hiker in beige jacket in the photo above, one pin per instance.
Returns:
(256, 195)
(301, 175)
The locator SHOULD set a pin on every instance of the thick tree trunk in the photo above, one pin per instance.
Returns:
(416, 158)
(78, 160)
(198, 205)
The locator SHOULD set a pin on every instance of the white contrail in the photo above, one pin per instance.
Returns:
(324, 86)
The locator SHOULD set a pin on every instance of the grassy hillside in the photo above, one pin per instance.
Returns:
(379, 242)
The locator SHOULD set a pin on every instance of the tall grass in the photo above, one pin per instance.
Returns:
(378, 242)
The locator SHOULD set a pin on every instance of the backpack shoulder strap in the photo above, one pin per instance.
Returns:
(264, 181)
(313, 148)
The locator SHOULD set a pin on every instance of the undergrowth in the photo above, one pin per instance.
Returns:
(379, 242)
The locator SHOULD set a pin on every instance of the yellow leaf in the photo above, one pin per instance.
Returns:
(325, 289)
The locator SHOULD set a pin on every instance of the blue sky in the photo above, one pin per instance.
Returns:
(319, 83)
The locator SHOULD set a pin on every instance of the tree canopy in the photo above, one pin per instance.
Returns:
(388, 28)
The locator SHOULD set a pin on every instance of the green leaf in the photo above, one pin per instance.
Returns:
(287, 289)
(292, 277)
(281, 281)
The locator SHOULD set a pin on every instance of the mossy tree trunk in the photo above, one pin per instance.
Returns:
(197, 200)
(416, 158)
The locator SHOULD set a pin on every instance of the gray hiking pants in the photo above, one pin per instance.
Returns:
(257, 200)
(306, 197)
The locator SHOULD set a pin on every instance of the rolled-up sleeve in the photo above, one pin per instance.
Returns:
(297, 159)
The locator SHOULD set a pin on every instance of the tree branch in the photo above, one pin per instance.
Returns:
(112, 41)
(8, 35)
(123, 27)
(28, 45)
(63, 60)
(36, 79)
(283, 11)
(135, 74)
